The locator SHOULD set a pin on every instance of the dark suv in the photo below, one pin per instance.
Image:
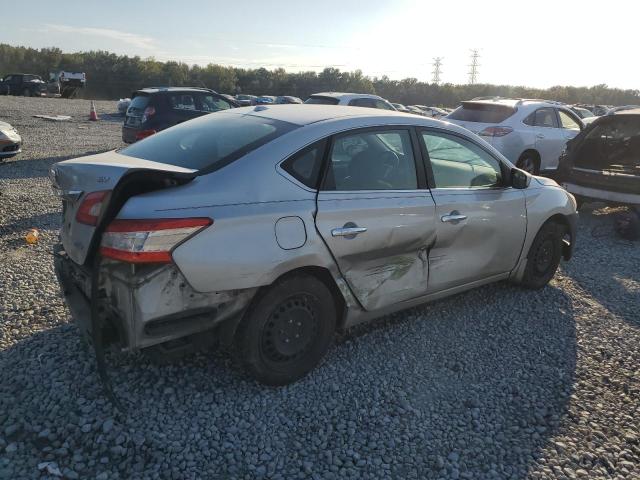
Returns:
(154, 109)
(23, 84)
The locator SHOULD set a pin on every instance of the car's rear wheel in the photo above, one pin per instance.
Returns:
(544, 256)
(287, 330)
(529, 163)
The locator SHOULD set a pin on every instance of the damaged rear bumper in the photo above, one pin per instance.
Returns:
(145, 305)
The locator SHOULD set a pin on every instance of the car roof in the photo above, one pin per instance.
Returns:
(346, 95)
(173, 89)
(306, 114)
(514, 102)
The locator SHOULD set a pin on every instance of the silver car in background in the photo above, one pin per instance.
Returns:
(273, 227)
(530, 133)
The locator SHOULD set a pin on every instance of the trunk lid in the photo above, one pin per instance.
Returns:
(73, 180)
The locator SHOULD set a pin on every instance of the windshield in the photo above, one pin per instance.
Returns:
(209, 142)
(317, 100)
(482, 112)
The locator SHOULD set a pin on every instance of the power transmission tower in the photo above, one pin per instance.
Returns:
(473, 73)
(437, 63)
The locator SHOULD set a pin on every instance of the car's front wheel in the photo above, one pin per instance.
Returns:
(544, 256)
(287, 330)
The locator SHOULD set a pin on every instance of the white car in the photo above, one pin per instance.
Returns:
(10, 141)
(433, 112)
(530, 133)
(349, 99)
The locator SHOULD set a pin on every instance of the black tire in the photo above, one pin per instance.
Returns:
(579, 202)
(529, 162)
(544, 256)
(287, 330)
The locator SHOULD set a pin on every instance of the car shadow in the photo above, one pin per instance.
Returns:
(471, 383)
(611, 279)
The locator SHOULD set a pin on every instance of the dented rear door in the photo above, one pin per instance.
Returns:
(379, 236)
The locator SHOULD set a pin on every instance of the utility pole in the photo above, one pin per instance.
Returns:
(473, 73)
(437, 63)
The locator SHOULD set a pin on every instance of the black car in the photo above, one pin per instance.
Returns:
(603, 161)
(24, 84)
(154, 109)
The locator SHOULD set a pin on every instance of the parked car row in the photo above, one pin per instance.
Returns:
(247, 100)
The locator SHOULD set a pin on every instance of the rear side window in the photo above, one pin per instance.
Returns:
(363, 102)
(482, 112)
(318, 100)
(543, 117)
(373, 160)
(305, 166)
(209, 142)
(182, 101)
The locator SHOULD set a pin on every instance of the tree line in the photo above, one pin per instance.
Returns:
(111, 76)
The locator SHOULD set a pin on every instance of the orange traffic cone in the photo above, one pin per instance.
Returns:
(93, 116)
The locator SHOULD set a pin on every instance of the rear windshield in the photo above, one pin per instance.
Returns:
(209, 142)
(138, 104)
(314, 100)
(482, 112)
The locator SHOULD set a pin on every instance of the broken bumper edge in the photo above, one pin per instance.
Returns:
(146, 307)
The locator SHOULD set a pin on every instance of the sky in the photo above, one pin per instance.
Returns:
(537, 43)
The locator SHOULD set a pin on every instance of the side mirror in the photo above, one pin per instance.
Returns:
(519, 178)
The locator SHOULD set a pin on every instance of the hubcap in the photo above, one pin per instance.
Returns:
(289, 331)
(544, 256)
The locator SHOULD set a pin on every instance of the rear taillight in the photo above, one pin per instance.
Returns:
(91, 206)
(148, 241)
(148, 113)
(495, 131)
(144, 134)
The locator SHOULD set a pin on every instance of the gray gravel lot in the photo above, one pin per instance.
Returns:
(495, 383)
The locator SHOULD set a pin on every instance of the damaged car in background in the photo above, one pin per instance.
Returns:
(603, 162)
(10, 141)
(273, 227)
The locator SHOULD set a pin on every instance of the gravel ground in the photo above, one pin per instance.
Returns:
(495, 383)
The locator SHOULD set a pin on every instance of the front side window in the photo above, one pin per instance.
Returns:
(211, 103)
(373, 160)
(459, 163)
(567, 121)
(382, 105)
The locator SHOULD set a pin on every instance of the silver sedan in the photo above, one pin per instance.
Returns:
(271, 227)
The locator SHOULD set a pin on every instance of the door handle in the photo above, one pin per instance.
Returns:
(540, 136)
(347, 231)
(454, 217)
